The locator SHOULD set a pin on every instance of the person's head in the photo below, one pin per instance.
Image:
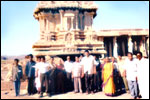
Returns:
(106, 59)
(120, 57)
(130, 56)
(38, 58)
(113, 59)
(16, 61)
(59, 62)
(86, 53)
(68, 58)
(30, 57)
(42, 58)
(52, 60)
(81, 56)
(139, 55)
(94, 57)
(77, 59)
(27, 57)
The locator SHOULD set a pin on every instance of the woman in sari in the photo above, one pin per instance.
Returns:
(107, 77)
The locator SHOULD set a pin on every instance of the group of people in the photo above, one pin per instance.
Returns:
(131, 75)
(86, 74)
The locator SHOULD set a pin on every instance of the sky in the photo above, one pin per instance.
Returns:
(20, 30)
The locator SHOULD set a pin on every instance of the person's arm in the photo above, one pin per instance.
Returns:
(11, 77)
(125, 73)
(63, 67)
(124, 69)
(36, 73)
(112, 69)
(49, 67)
(103, 73)
(136, 69)
(82, 68)
(95, 62)
(72, 71)
(21, 73)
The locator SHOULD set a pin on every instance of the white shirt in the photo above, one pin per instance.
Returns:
(142, 66)
(131, 69)
(37, 79)
(143, 77)
(88, 64)
(36, 66)
(43, 67)
(68, 66)
(77, 69)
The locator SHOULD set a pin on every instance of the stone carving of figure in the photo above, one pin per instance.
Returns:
(130, 45)
(68, 37)
(135, 46)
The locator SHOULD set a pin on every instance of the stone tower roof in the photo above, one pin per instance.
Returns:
(65, 4)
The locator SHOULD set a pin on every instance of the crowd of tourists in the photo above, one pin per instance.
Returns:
(87, 74)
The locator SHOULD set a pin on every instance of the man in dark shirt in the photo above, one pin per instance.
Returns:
(30, 73)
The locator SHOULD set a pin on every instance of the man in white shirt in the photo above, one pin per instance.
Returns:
(77, 74)
(68, 68)
(143, 75)
(44, 68)
(88, 70)
(131, 74)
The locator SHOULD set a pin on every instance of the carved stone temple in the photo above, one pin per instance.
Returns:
(66, 29)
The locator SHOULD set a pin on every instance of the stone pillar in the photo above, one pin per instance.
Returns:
(130, 44)
(44, 24)
(123, 48)
(61, 18)
(40, 20)
(56, 21)
(47, 23)
(115, 52)
(91, 19)
(85, 20)
(76, 19)
(135, 46)
(81, 21)
(66, 24)
(110, 50)
(147, 47)
(142, 46)
(102, 56)
(72, 23)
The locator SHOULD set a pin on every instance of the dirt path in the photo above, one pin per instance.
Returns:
(69, 95)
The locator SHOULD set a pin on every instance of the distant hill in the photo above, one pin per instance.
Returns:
(12, 57)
